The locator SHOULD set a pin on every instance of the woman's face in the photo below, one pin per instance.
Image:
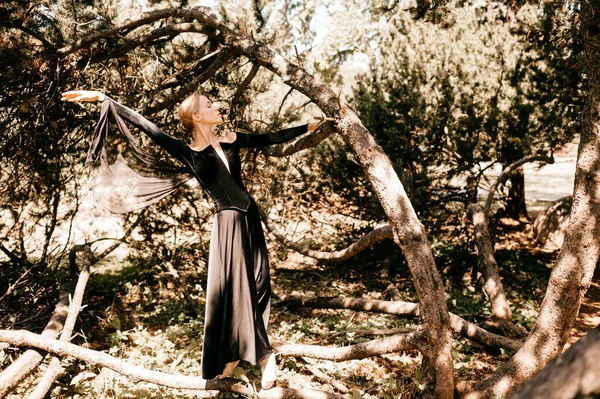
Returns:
(208, 113)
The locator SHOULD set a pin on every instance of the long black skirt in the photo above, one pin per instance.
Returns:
(238, 294)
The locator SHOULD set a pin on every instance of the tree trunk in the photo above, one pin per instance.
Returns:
(575, 265)
(574, 374)
(486, 263)
(515, 204)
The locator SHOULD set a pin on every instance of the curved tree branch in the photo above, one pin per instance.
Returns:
(146, 40)
(224, 57)
(379, 234)
(376, 347)
(506, 173)
(65, 349)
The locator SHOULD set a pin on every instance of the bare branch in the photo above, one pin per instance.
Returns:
(146, 40)
(487, 264)
(290, 91)
(188, 89)
(506, 173)
(10, 254)
(363, 350)
(144, 19)
(379, 234)
(55, 369)
(32, 33)
(65, 349)
(244, 85)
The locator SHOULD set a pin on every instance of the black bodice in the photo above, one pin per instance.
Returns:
(225, 188)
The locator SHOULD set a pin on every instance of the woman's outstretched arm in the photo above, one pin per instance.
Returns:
(282, 136)
(172, 145)
(263, 140)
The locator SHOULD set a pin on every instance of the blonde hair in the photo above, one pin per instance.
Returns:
(186, 110)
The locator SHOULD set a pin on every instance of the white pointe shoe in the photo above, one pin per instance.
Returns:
(269, 372)
(229, 367)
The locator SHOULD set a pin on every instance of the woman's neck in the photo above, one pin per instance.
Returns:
(203, 136)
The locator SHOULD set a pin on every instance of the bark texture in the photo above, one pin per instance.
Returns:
(577, 260)
(574, 374)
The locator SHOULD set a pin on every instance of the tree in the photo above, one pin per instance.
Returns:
(221, 47)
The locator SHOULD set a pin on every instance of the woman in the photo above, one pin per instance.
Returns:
(238, 289)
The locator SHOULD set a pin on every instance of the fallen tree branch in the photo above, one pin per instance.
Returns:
(360, 304)
(12, 375)
(379, 234)
(55, 369)
(376, 347)
(101, 359)
(364, 333)
(506, 173)
(459, 325)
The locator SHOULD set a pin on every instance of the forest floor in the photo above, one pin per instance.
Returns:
(138, 314)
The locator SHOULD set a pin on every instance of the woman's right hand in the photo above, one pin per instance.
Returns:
(82, 95)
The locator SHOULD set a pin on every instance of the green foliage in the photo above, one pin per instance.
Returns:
(445, 101)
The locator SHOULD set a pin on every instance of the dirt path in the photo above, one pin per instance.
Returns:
(589, 314)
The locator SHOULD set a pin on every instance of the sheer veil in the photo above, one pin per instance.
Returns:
(127, 177)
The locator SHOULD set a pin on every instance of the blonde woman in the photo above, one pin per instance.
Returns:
(238, 288)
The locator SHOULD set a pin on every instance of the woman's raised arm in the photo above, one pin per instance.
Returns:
(282, 136)
(172, 145)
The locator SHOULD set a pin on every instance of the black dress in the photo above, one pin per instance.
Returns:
(238, 289)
